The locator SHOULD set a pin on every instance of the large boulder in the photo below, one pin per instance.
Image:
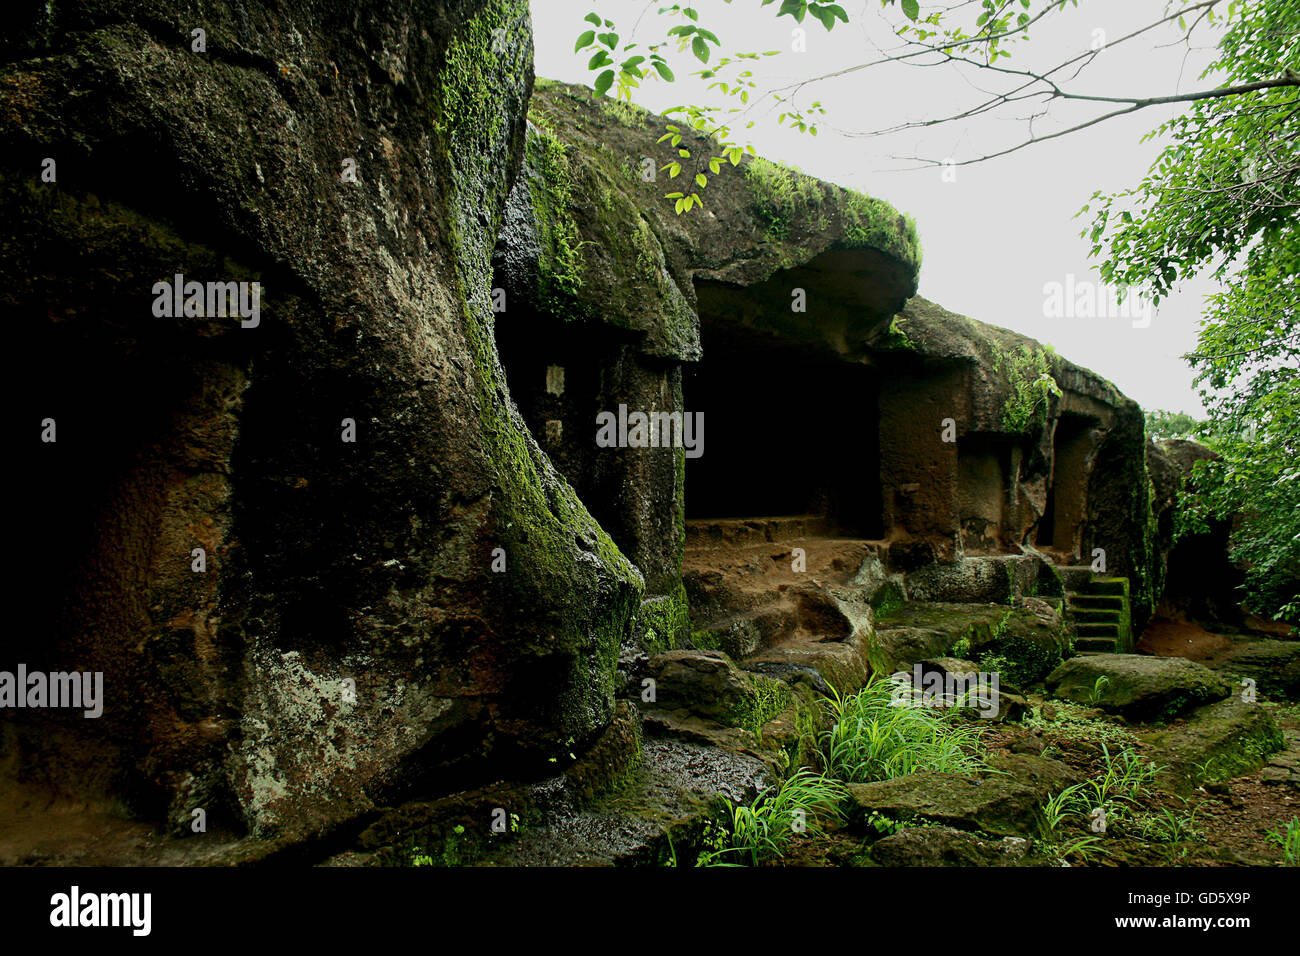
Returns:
(1137, 687)
(1022, 643)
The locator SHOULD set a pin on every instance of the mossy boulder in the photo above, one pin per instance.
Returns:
(600, 217)
(1216, 742)
(1022, 644)
(1137, 687)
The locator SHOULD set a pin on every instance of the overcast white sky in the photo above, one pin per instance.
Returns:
(1005, 228)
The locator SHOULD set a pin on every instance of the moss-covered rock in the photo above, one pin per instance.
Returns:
(1216, 742)
(1136, 686)
(994, 805)
(707, 684)
(1023, 644)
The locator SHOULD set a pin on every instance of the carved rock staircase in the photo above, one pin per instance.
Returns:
(1098, 609)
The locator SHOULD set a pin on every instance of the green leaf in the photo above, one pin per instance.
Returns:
(604, 82)
(701, 180)
(911, 9)
(592, 18)
(584, 39)
(793, 8)
(663, 70)
(700, 48)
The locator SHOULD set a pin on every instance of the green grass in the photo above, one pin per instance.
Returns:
(870, 740)
(783, 195)
(762, 831)
(1119, 792)
(1289, 841)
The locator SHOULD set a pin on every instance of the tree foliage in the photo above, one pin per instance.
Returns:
(1222, 198)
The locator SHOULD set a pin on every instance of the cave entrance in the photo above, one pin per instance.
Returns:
(786, 433)
(92, 500)
(1073, 443)
(984, 482)
(554, 374)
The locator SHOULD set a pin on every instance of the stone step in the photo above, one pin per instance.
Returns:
(1112, 586)
(1097, 615)
(1097, 630)
(1074, 577)
(1110, 601)
(1095, 645)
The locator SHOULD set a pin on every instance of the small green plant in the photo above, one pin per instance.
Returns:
(882, 824)
(1289, 840)
(1112, 796)
(1169, 826)
(1098, 689)
(1072, 722)
(762, 831)
(871, 739)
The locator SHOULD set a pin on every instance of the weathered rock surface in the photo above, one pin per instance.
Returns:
(996, 805)
(1138, 687)
(334, 568)
(1274, 666)
(1217, 742)
(1025, 643)
(1201, 581)
(944, 846)
(1048, 775)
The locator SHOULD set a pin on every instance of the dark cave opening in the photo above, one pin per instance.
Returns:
(786, 433)
(984, 476)
(91, 497)
(1065, 509)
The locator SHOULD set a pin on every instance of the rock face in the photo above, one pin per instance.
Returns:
(349, 633)
(614, 301)
(1137, 687)
(1200, 580)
